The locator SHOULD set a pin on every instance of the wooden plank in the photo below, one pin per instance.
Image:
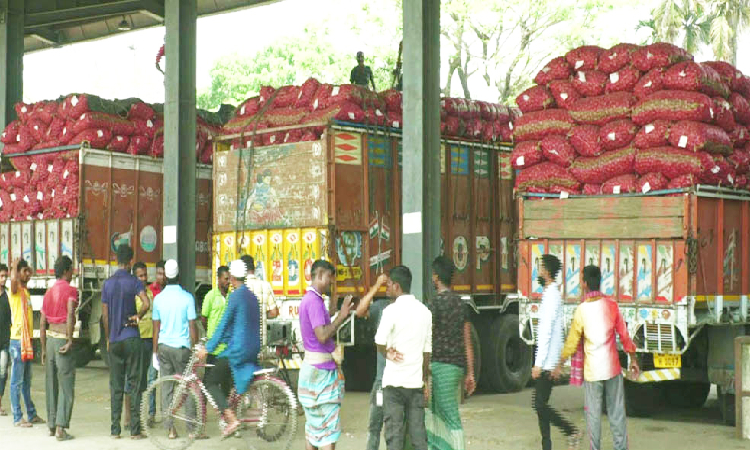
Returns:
(630, 228)
(604, 208)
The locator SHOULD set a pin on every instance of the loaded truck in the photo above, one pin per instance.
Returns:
(676, 262)
(119, 201)
(340, 198)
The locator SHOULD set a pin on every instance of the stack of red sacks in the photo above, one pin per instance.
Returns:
(632, 119)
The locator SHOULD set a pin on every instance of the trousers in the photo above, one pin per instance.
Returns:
(546, 414)
(613, 392)
(404, 412)
(125, 358)
(376, 417)
(60, 383)
(20, 383)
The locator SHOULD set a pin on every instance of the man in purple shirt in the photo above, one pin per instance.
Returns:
(120, 320)
(320, 387)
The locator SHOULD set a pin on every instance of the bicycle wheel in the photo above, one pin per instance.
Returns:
(269, 406)
(179, 407)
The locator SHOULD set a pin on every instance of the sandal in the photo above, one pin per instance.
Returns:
(230, 429)
(37, 419)
(64, 436)
(3, 412)
(172, 434)
(22, 424)
(138, 437)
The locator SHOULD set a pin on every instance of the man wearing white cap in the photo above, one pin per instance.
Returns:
(174, 330)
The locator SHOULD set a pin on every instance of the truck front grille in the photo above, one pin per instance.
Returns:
(660, 338)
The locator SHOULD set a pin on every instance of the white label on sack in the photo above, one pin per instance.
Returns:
(99, 133)
(53, 193)
(65, 131)
(26, 199)
(579, 64)
(711, 110)
(1, 203)
(315, 104)
(649, 55)
(731, 180)
(286, 137)
(65, 174)
(149, 123)
(396, 124)
(273, 138)
(582, 77)
(564, 195)
(18, 174)
(36, 127)
(648, 84)
(742, 133)
(520, 161)
(683, 141)
(564, 96)
(715, 170)
(23, 109)
(646, 187)
(49, 168)
(74, 100)
(613, 56)
(525, 98)
(616, 190)
(614, 77)
(611, 136)
(351, 115)
(335, 91)
(546, 69)
(242, 110)
(299, 96)
(13, 197)
(4, 134)
(682, 73)
(39, 195)
(649, 128)
(510, 125)
(554, 152)
(378, 113)
(18, 137)
(33, 166)
(120, 138)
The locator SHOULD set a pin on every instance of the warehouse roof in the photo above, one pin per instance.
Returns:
(52, 23)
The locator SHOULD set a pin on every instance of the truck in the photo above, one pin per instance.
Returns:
(676, 262)
(119, 202)
(340, 198)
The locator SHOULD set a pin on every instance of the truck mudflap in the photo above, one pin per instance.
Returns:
(652, 376)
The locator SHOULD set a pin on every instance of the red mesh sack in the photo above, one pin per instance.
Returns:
(504, 130)
(742, 182)
(603, 109)
(741, 108)
(37, 128)
(455, 106)
(307, 94)
(293, 135)
(24, 140)
(622, 80)
(374, 116)
(742, 86)
(157, 146)
(44, 112)
(728, 73)
(286, 97)
(616, 57)
(22, 163)
(20, 178)
(653, 181)
(556, 69)
(668, 161)
(545, 175)
(10, 132)
(140, 110)
(273, 138)
(248, 108)
(555, 189)
(74, 105)
(266, 94)
(283, 117)
(740, 160)
(658, 55)
(673, 105)
(119, 144)
(691, 76)
(724, 115)
(393, 100)
(138, 145)
(473, 111)
(564, 93)
(67, 132)
(650, 83)
(452, 126)
(617, 134)
(474, 128)
(585, 140)
(489, 134)
(655, 134)
(48, 143)
(539, 124)
(96, 137)
(716, 171)
(696, 137)
(624, 184)
(491, 111)
(590, 83)
(558, 150)
(503, 113)
(592, 189)
(147, 127)
(207, 154)
(23, 111)
(535, 98)
(739, 136)
(599, 169)
(584, 58)
(55, 129)
(111, 122)
(345, 111)
(526, 154)
(346, 93)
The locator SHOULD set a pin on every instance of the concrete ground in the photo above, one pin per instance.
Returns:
(490, 421)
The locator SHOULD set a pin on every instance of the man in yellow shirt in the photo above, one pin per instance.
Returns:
(20, 374)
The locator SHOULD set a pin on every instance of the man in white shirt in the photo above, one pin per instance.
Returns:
(261, 288)
(549, 345)
(405, 337)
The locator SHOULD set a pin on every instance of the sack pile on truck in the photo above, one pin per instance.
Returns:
(632, 119)
(124, 126)
(304, 111)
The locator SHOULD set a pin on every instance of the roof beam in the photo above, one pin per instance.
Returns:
(45, 35)
(101, 11)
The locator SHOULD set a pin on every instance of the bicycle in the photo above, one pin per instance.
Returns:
(267, 411)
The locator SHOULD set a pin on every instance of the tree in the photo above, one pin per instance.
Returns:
(686, 23)
(728, 19)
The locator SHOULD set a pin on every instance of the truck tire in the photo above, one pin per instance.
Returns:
(506, 358)
(359, 368)
(727, 407)
(83, 354)
(642, 399)
(685, 394)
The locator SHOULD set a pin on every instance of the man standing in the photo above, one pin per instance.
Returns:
(20, 342)
(58, 310)
(320, 388)
(405, 338)
(452, 364)
(261, 288)
(596, 321)
(146, 331)
(160, 281)
(5, 324)
(120, 318)
(548, 349)
(376, 394)
(175, 331)
(362, 74)
(214, 304)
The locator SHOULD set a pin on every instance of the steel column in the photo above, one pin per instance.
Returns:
(421, 141)
(11, 58)
(179, 138)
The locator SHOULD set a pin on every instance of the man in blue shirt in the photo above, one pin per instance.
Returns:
(174, 331)
(120, 320)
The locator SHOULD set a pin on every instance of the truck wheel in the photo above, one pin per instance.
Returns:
(507, 358)
(642, 399)
(726, 405)
(83, 354)
(359, 368)
(685, 394)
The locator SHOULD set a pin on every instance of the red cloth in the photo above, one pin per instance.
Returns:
(577, 360)
(156, 288)
(55, 306)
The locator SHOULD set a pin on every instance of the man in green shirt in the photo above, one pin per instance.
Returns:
(213, 307)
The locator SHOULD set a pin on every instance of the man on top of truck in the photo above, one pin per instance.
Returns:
(362, 74)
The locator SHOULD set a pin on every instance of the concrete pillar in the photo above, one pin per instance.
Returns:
(11, 58)
(179, 138)
(421, 141)
(742, 386)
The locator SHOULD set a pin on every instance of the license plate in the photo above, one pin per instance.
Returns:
(667, 361)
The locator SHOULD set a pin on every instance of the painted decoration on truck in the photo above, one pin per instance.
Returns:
(27, 250)
(731, 265)
(504, 169)
(4, 248)
(483, 251)
(537, 250)
(347, 148)
(292, 251)
(15, 241)
(262, 205)
(276, 243)
(442, 158)
(119, 238)
(66, 242)
(259, 250)
(626, 272)
(40, 248)
(310, 253)
(379, 151)
(592, 254)
(572, 271)
(482, 163)
(645, 272)
(664, 274)
(557, 250)
(349, 252)
(504, 252)
(459, 160)
(148, 239)
(608, 269)
(460, 253)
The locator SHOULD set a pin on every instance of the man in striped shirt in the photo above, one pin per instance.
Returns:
(549, 345)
